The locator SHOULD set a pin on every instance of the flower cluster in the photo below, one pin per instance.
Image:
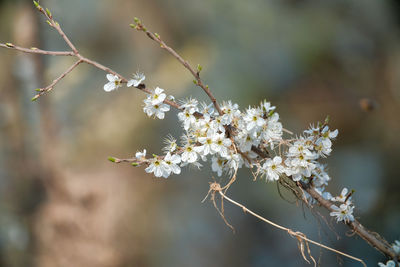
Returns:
(154, 104)
(115, 82)
(345, 211)
(234, 138)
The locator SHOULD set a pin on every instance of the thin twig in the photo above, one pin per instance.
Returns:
(50, 87)
(196, 74)
(34, 50)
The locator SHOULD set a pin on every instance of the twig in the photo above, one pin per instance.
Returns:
(54, 24)
(375, 241)
(34, 50)
(196, 74)
(215, 187)
(50, 87)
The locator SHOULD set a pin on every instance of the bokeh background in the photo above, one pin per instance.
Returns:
(63, 204)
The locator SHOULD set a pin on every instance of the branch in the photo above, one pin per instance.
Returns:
(51, 86)
(196, 74)
(34, 50)
(75, 53)
(215, 187)
(374, 240)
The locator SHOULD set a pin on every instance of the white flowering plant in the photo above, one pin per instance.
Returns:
(230, 139)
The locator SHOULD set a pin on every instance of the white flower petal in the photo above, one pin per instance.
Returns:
(108, 87)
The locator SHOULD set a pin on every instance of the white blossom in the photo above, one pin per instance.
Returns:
(190, 105)
(207, 110)
(206, 142)
(396, 247)
(343, 213)
(113, 82)
(342, 197)
(230, 111)
(141, 154)
(321, 178)
(389, 263)
(172, 162)
(157, 97)
(157, 110)
(217, 165)
(158, 167)
(138, 78)
(171, 145)
(189, 154)
(272, 168)
(253, 118)
(266, 107)
(187, 117)
(221, 144)
(272, 130)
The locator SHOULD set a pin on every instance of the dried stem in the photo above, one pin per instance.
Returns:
(373, 239)
(217, 188)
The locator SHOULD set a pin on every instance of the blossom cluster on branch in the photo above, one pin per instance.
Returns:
(229, 140)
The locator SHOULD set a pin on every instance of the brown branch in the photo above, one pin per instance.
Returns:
(215, 187)
(196, 74)
(34, 50)
(50, 87)
(54, 24)
(375, 241)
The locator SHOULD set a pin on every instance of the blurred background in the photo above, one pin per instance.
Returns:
(63, 204)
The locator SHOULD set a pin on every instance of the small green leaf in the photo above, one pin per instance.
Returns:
(132, 25)
(136, 20)
(157, 35)
(35, 3)
(111, 159)
(38, 90)
(48, 22)
(135, 164)
(48, 13)
(35, 98)
(199, 67)
(195, 82)
(9, 45)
